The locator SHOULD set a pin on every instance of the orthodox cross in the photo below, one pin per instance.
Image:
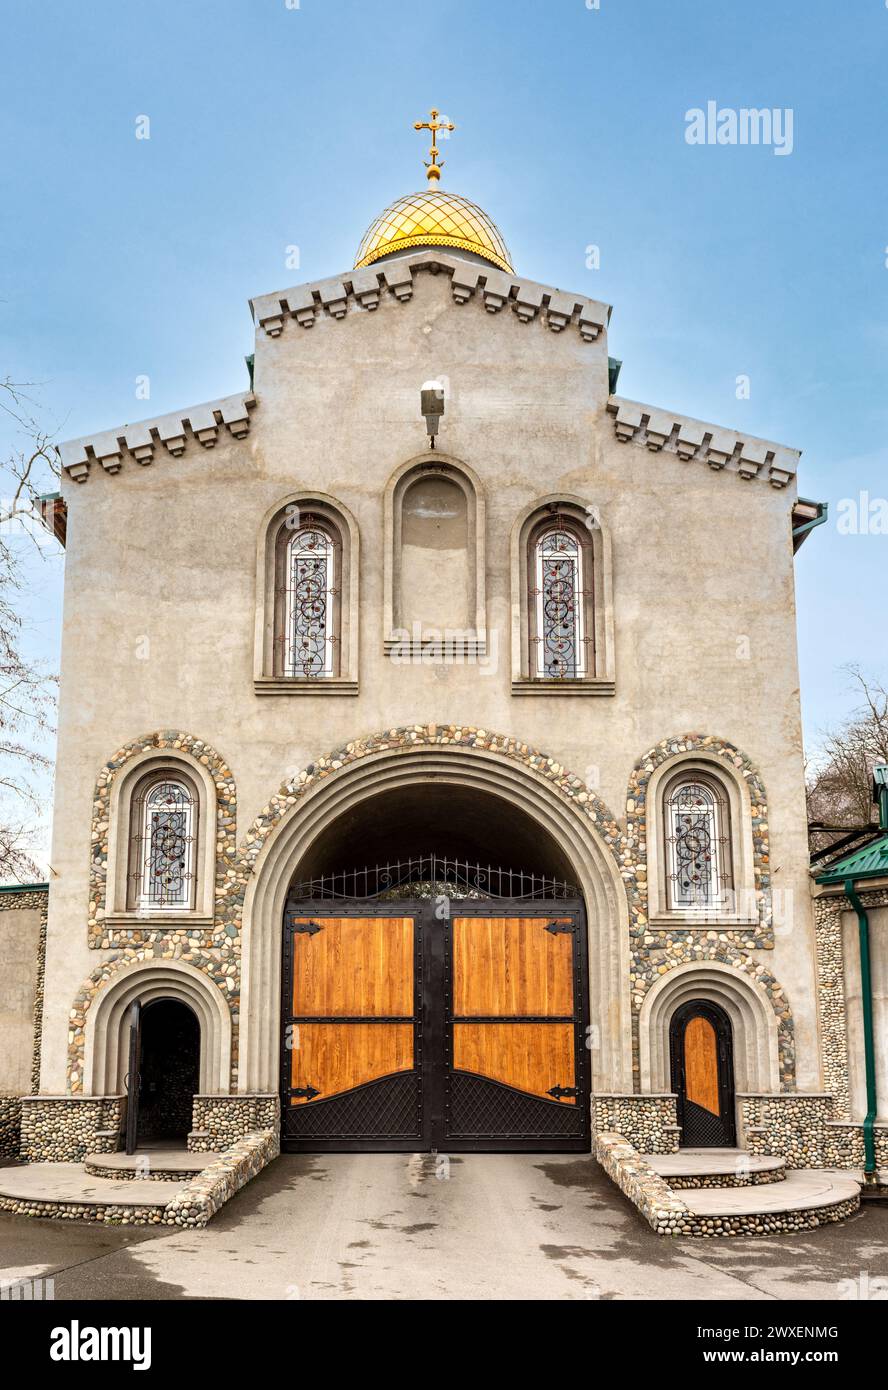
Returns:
(434, 125)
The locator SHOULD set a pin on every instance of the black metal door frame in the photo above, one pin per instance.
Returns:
(715, 1015)
(433, 1026)
(133, 1080)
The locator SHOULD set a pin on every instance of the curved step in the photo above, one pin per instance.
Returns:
(150, 1165)
(803, 1199)
(699, 1168)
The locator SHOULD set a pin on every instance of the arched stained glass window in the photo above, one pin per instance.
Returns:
(309, 592)
(164, 821)
(560, 638)
(698, 860)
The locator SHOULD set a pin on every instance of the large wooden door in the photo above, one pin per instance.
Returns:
(703, 1074)
(406, 1031)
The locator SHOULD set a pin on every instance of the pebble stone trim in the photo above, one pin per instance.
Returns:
(99, 1170)
(193, 1205)
(668, 1215)
(647, 1122)
(220, 965)
(828, 911)
(651, 958)
(655, 952)
(741, 1177)
(803, 1131)
(201, 1198)
(221, 1121)
(171, 742)
(62, 1129)
(10, 1126)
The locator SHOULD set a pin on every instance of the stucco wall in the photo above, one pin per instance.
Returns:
(160, 592)
(19, 968)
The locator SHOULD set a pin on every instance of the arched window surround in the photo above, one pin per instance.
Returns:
(164, 829)
(580, 518)
(754, 1024)
(273, 673)
(472, 641)
(123, 906)
(735, 906)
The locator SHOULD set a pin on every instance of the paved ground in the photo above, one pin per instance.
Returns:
(387, 1227)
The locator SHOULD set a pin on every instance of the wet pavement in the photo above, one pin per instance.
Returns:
(474, 1226)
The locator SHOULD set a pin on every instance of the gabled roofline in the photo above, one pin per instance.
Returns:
(745, 455)
(365, 289)
(146, 440)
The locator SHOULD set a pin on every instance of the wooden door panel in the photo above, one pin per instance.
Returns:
(353, 967)
(532, 1057)
(701, 1064)
(511, 966)
(336, 1057)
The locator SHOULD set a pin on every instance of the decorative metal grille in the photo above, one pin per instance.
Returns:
(697, 846)
(432, 876)
(309, 596)
(560, 639)
(164, 847)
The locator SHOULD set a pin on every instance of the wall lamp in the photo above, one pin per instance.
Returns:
(432, 407)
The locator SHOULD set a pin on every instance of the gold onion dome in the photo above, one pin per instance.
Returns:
(434, 217)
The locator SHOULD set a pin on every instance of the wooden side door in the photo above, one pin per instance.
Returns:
(351, 1054)
(702, 1075)
(516, 1073)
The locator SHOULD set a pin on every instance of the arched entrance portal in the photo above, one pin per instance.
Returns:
(435, 998)
(701, 1051)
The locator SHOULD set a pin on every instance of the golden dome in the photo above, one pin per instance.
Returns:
(434, 218)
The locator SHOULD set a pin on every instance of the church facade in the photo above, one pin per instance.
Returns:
(430, 765)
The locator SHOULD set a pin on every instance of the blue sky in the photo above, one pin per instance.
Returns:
(274, 126)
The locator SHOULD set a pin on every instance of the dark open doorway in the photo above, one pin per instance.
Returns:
(169, 1071)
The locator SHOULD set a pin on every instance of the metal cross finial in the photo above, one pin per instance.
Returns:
(433, 170)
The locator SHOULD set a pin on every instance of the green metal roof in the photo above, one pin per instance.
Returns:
(869, 862)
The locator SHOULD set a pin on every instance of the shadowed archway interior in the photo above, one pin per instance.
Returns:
(435, 818)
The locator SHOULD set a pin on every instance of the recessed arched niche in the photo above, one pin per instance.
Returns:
(434, 566)
(435, 555)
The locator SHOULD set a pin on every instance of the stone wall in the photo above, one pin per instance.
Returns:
(668, 1215)
(804, 1130)
(219, 1122)
(647, 1122)
(10, 1126)
(62, 1129)
(205, 1194)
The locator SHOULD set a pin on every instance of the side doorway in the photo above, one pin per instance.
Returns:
(163, 1073)
(702, 1062)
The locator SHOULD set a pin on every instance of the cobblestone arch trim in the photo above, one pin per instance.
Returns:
(171, 742)
(655, 953)
(505, 767)
(610, 861)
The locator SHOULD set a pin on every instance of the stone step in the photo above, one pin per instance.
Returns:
(699, 1168)
(148, 1165)
(803, 1199)
(67, 1190)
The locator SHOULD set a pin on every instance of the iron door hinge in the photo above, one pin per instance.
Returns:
(305, 1092)
(560, 927)
(308, 928)
(559, 1091)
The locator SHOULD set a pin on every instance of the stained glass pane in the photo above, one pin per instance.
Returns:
(559, 593)
(696, 846)
(165, 845)
(308, 640)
